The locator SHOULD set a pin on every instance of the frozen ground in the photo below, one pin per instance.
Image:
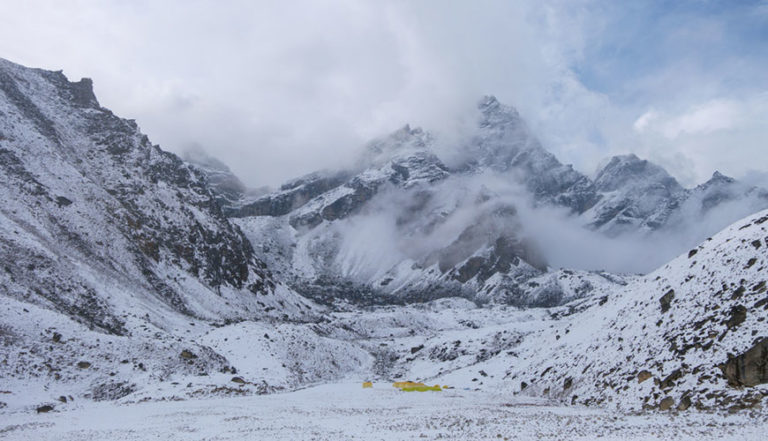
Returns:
(346, 411)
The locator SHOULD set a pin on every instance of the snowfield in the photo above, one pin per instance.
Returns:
(346, 411)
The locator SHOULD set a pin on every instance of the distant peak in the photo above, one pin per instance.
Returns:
(625, 159)
(488, 101)
(618, 162)
(719, 178)
(494, 113)
(402, 139)
(621, 170)
(405, 134)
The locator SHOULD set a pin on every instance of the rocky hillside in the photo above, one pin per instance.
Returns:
(89, 200)
(112, 249)
(692, 333)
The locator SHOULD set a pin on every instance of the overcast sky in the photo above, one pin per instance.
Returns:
(277, 89)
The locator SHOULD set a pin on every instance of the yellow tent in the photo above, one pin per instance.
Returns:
(410, 386)
(422, 388)
(402, 384)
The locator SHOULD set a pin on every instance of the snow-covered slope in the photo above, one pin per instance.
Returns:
(89, 203)
(692, 333)
(111, 243)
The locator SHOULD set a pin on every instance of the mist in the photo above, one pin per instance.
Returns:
(413, 225)
(568, 244)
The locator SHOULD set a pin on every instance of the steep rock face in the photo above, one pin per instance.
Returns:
(750, 368)
(227, 187)
(91, 206)
(503, 143)
(292, 195)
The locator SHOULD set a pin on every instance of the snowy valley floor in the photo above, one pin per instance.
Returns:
(346, 411)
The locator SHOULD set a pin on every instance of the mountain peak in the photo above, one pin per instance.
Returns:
(488, 101)
(77, 93)
(623, 170)
(404, 139)
(624, 160)
(496, 114)
(720, 178)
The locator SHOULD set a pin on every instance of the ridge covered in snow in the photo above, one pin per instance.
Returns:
(432, 230)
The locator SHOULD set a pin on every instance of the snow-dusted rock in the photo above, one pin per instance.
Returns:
(113, 244)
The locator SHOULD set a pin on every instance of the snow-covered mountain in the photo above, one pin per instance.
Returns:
(636, 195)
(90, 201)
(403, 225)
(111, 248)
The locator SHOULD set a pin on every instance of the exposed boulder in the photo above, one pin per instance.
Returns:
(666, 300)
(666, 403)
(750, 368)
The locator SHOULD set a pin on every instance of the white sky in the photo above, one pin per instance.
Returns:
(277, 89)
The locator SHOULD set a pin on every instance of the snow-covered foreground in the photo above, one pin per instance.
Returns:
(346, 411)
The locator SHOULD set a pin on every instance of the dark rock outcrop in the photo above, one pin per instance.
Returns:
(750, 368)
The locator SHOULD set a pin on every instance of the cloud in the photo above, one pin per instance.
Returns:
(277, 89)
(703, 119)
(725, 134)
(645, 120)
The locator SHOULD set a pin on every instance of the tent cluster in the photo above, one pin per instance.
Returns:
(410, 386)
